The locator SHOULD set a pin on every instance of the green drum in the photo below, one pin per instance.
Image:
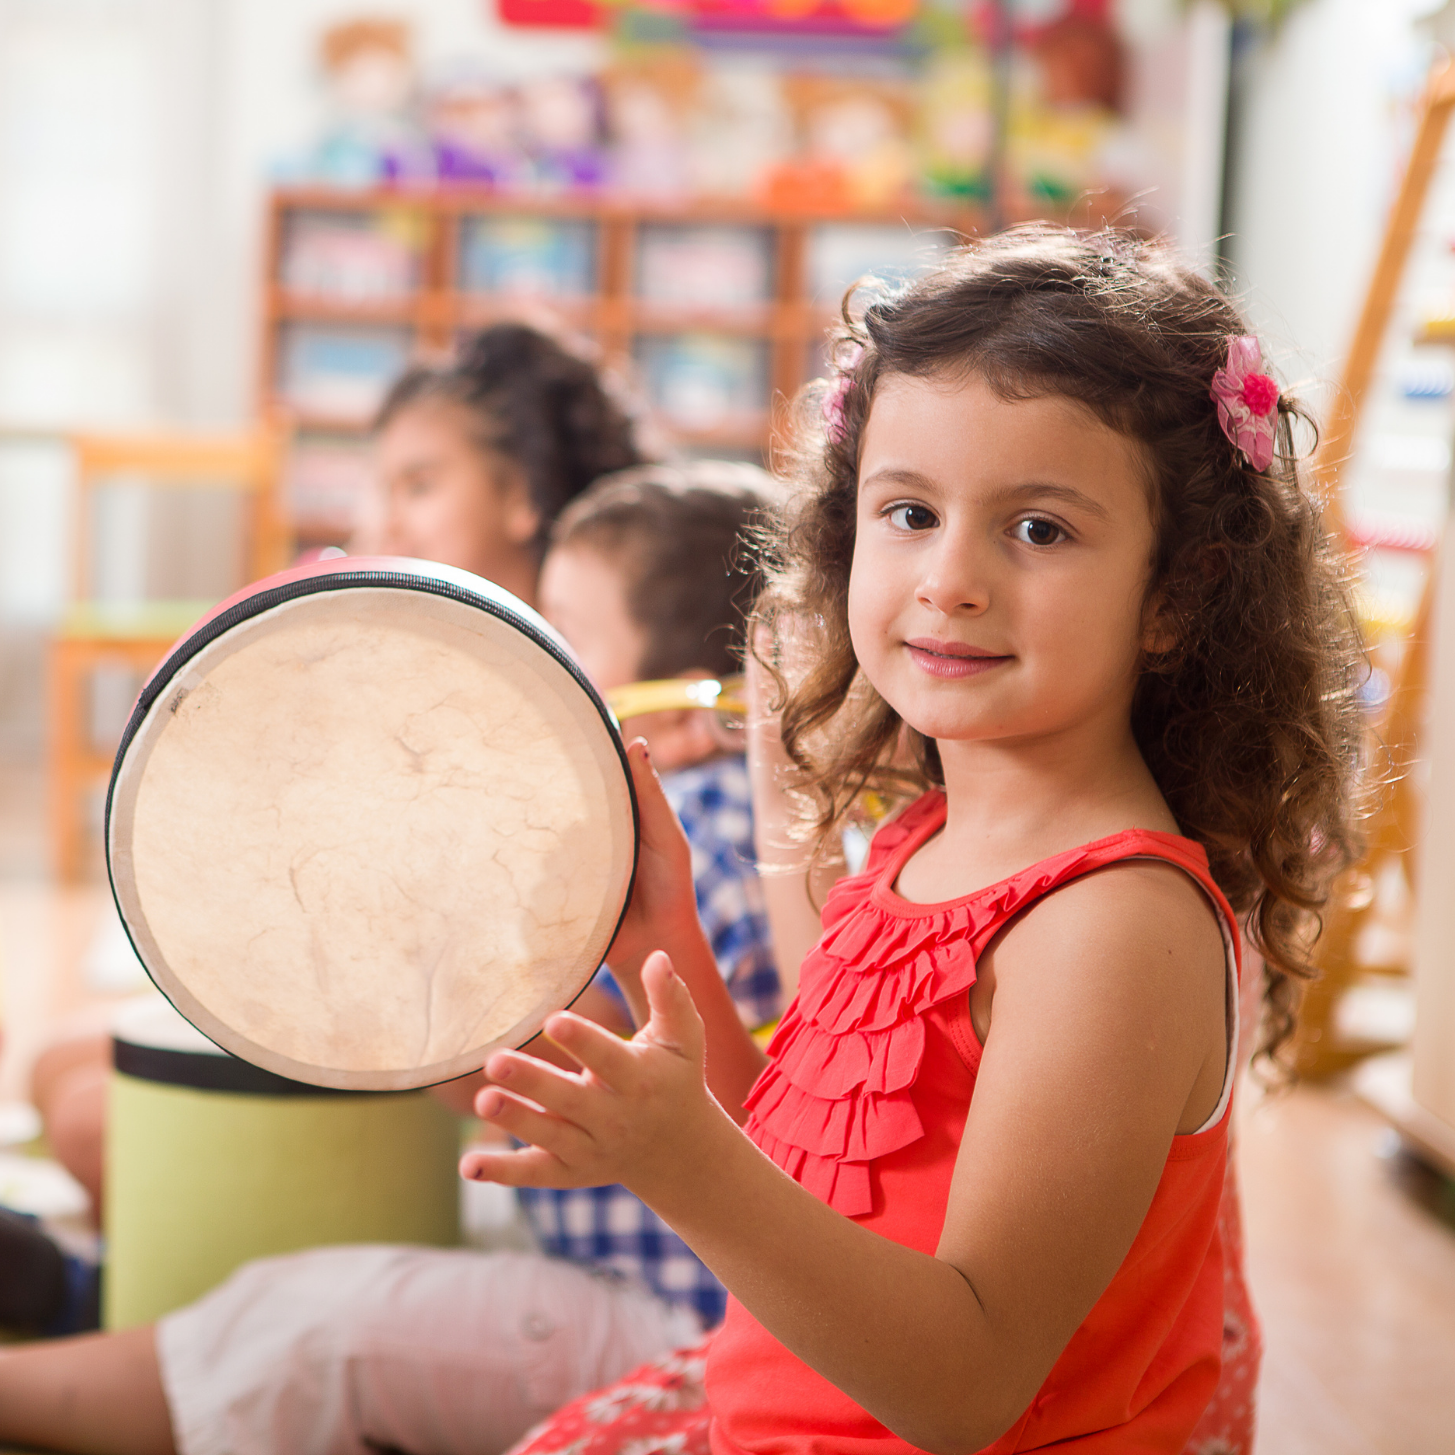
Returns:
(212, 1162)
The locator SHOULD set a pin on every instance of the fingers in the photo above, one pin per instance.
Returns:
(660, 829)
(561, 1092)
(528, 1167)
(605, 1055)
(526, 1122)
(675, 1024)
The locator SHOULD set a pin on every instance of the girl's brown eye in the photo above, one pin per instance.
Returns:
(911, 517)
(1039, 532)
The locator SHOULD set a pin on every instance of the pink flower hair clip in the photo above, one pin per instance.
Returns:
(1247, 400)
(836, 426)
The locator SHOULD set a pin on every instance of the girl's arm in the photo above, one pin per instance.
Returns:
(1108, 1016)
(663, 915)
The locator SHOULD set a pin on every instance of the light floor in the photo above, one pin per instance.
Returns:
(1351, 1246)
(1351, 1253)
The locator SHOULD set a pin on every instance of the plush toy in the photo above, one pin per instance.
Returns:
(956, 128)
(475, 130)
(371, 135)
(1065, 110)
(561, 125)
(854, 146)
(648, 106)
(742, 127)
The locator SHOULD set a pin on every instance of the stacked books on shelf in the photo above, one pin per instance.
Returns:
(528, 257)
(359, 257)
(338, 374)
(708, 385)
(705, 267)
(840, 254)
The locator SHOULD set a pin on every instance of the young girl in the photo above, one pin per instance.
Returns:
(1055, 547)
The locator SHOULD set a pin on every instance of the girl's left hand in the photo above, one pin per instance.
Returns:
(635, 1113)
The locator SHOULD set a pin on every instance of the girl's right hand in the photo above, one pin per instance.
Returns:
(663, 906)
(662, 915)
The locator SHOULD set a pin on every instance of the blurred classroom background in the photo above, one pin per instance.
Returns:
(227, 225)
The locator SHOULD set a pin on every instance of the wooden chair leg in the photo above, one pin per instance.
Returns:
(67, 747)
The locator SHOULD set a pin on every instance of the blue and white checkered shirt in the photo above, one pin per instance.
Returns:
(607, 1227)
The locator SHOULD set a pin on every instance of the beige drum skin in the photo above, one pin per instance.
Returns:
(368, 823)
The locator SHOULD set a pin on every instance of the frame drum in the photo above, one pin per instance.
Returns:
(369, 822)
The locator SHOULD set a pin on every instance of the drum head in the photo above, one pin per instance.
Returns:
(369, 823)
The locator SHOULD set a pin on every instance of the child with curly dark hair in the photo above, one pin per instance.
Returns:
(1053, 570)
(475, 460)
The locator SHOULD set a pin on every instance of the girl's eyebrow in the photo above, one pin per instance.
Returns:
(1034, 490)
(889, 476)
(1044, 490)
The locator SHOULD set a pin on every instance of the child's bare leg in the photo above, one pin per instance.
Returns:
(69, 1084)
(100, 1394)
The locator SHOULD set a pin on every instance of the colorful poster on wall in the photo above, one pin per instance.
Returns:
(551, 14)
(764, 16)
(1026, 17)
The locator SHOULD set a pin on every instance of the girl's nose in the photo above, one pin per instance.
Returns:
(954, 581)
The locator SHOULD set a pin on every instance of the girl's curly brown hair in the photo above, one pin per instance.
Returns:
(1250, 724)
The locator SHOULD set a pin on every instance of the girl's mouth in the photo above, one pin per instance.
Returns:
(951, 659)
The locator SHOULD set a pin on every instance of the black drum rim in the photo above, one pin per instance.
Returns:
(265, 598)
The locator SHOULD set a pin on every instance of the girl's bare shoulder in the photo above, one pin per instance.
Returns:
(1137, 937)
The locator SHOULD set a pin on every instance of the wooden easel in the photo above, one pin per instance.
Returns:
(1393, 827)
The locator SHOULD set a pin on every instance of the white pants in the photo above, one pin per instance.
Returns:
(343, 1351)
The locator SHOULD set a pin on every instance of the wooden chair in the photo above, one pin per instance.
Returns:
(96, 634)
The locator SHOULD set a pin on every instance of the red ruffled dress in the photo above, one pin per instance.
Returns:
(863, 1102)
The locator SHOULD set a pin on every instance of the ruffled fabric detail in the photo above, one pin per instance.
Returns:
(837, 1091)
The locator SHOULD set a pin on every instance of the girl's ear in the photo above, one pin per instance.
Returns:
(520, 515)
(1159, 633)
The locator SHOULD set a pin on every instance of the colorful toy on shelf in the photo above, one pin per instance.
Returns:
(742, 127)
(955, 129)
(371, 135)
(475, 132)
(854, 150)
(1082, 62)
(561, 126)
(1064, 117)
(648, 106)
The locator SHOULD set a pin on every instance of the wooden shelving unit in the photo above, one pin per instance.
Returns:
(430, 296)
